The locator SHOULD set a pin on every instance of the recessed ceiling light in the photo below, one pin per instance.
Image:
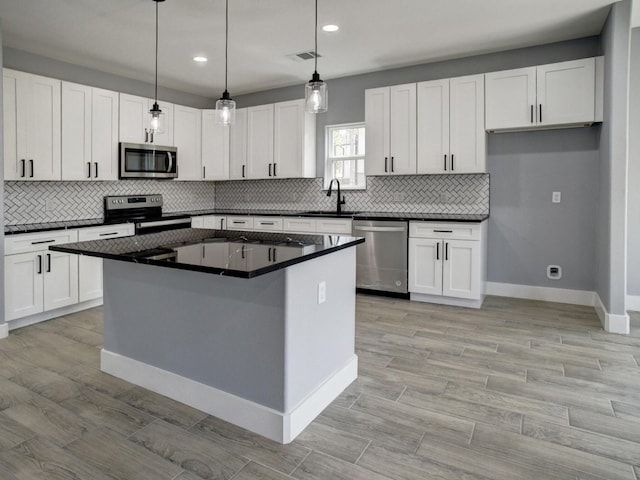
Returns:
(200, 59)
(331, 28)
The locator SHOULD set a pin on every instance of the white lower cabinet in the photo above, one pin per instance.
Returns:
(215, 222)
(36, 279)
(90, 268)
(447, 261)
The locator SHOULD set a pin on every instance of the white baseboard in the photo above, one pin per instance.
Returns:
(633, 303)
(547, 294)
(611, 322)
(4, 330)
(58, 312)
(455, 302)
(265, 421)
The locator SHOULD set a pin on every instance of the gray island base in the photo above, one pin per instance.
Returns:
(262, 353)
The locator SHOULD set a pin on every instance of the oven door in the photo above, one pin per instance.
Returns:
(148, 161)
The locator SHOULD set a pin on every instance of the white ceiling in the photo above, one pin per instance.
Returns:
(117, 36)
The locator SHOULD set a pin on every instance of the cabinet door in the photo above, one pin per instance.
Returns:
(260, 141)
(510, 99)
(566, 92)
(214, 222)
(467, 136)
(166, 137)
(187, 136)
(60, 280)
(376, 119)
(215, 147)
(23, 285)
(90, 278)
(288, 139)
(76, 132)
(15, 127)
(133, 118)
(197, 222)
(433, 126)
(104, 134)
(43, 128)
(238, 146)
(425, 266)
(461, 265)
(402, 129)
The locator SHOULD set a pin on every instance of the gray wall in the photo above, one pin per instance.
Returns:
(633, 179)
(526, 231)
(1, 191)
(29, 62)
(611, 227)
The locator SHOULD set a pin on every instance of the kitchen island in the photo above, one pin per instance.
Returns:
(254, 328)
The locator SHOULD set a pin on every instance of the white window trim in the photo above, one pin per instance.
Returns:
(328, 160)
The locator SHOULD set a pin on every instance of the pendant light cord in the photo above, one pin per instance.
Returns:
(316, 33)
(226, 45)
(156, 97)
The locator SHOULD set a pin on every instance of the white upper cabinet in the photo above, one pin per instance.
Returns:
(451, 135)
(89, 133)
(557, 94)
(31, 126)
(187, 135)
(260, 141)
(390, 121)
(215, 147)
(294, 141)
(134, 121)
(238, 146)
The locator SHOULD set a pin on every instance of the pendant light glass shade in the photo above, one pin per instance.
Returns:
(226, 106)
(315, 91)
(156, 117)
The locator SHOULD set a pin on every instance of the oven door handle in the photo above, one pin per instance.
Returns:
(380, 229)
(170, 157)
(160, 223)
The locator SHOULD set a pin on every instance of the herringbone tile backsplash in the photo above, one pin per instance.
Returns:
(37, 202)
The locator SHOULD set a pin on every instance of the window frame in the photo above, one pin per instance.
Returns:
(328, 160)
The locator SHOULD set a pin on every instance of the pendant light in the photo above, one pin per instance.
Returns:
(156, 119)
(226, 106)
(315, 91)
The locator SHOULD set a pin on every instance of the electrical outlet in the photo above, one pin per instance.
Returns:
(322, 292)
(556, 197)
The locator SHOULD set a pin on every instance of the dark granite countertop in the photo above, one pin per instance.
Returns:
(444, 217)
(231, 253)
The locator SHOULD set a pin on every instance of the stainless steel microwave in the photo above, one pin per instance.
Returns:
(142, 160)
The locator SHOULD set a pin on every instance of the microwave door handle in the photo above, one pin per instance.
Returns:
(170, 162)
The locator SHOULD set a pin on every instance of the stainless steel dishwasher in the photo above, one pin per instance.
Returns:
(381, 261)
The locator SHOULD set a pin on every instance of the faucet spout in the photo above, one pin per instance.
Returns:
(340, 199)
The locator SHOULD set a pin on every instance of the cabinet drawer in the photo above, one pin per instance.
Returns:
(214, 222)
(304, 225)
(462, 231)
(32, 242)
(333, 225)
(269, 224)
(239, 223)
(197, 222)
(106, 231)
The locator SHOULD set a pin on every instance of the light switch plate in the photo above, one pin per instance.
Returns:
(556, 197)
(322, 292)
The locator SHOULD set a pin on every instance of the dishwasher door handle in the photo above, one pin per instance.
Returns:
(380, 229)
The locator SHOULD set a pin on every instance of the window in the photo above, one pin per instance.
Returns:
(345, 155)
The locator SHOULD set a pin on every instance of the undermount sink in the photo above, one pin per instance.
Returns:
(329, 213)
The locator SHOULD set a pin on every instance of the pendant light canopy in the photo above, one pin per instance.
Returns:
(315, 91)
(226, 106)
(156, 117)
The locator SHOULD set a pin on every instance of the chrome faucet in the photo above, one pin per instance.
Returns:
(340, 201)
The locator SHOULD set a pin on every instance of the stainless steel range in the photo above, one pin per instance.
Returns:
(143, 210)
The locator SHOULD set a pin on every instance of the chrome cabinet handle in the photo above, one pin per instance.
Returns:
(540, 113)
(107, 234)
(23, 167)
(243, 171)
(392, 169)
(445, 162)
(48, 262)
(443, 231)
(88, 169)
(385, 164)
(269, 169)
(39, 264)
(146, 135)
(151, 135)
(452, 167)
(204, 172)
(95, 164)
(274, 170)
(446, 251)
(222, 224)
(531, 113)
(42, 241)
(31, 167)
(438, 251)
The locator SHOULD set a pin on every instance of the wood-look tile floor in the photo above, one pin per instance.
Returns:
(515, 390)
